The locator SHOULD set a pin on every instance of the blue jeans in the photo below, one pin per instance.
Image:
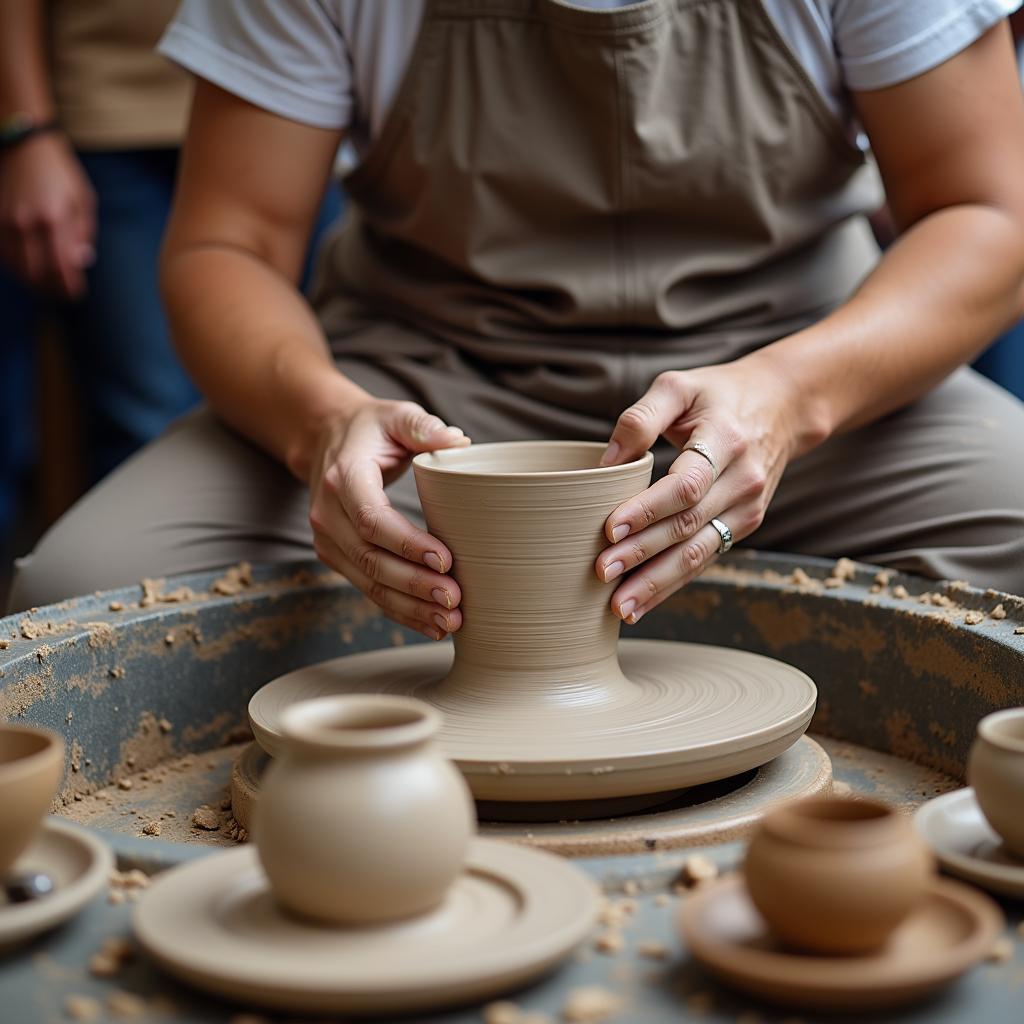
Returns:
(130, 381)
(1003, 361)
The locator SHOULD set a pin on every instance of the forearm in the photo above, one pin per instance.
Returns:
(24, 85)
(938, 296)
(254, 349)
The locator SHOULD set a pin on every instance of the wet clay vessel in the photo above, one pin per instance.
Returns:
(836, 875)
(995, 770)
(31, 767)
(362, 819)
(948, 932)
(540, 701)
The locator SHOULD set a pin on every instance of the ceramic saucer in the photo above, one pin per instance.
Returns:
(79, 865)
(965, 845)
(686, 714)
(512, 915)
(951, 931)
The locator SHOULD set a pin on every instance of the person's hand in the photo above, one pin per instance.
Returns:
(47, 215)
(358, 533)
(749, 420)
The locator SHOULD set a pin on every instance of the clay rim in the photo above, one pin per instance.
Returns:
(834, 822)
(1004, 729)
(359, 723)
(23, 767)
(445, 461)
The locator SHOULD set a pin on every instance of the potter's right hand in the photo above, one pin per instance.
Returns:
(358, 533)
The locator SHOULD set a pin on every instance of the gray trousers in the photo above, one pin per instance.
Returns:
(937, 488)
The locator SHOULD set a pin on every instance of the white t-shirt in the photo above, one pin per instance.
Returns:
(338, 63)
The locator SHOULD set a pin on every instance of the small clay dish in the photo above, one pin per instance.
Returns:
(963, 841)
(950, 929)
(995, 770)
(512, 915)
(31, 767)
(75, 861)
(836, 875)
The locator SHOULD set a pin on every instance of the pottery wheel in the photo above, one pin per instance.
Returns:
(693, 714)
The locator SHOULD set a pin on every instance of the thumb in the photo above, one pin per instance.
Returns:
(420, 431)
(643, 423)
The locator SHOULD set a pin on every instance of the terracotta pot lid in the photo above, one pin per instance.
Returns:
(965, 844)
(696, 714)
(951, 931)
(79, 866)
(512, 915)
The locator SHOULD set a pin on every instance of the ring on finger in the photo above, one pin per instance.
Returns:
(725, 535)
(702, 449)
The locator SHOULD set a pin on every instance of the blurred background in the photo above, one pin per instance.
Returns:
(88, 373)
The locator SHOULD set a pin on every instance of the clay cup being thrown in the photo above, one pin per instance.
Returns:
(524, 521)
(31, 767)
(995, 768)
(362, 819)
(836, 875)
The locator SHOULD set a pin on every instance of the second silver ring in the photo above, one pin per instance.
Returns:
(724, 533)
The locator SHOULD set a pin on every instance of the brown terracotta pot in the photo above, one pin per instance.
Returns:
(361, 819)
(31, 767)
(836, 875)
(995, 768)
(525, 522)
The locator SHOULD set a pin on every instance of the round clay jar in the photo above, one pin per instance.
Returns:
(995, 769)
(31, 767)
(834, 875)
(361, 819)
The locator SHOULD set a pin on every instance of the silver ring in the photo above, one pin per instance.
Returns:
(702, 449)
(725, 533)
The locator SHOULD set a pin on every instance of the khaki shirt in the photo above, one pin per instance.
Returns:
(112, 90)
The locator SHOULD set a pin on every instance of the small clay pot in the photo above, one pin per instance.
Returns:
(31, 767)
(995, 769)
(836, 875)
(361, 819)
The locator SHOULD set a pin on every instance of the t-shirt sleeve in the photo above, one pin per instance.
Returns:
(882, 42)
(289, 58)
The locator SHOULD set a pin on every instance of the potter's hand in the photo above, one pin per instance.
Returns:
(743, 414)
(47, 223)
(358, 533)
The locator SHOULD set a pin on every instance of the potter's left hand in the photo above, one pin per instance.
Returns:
(748, 418)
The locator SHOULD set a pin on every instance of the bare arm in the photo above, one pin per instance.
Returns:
(249, 188)
(46, 204)
(950, 145)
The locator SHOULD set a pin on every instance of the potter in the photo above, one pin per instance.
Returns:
(362, 819)
(31, 766)
(836, 875)
(995, 769)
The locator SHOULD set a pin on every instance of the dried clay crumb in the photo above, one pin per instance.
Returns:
(164, 726)
(999, 612)
(113, 955)
(884, 577)
(234, 581)
(1019, 631)
(206, 818)
(973, 618)
(505, 1012)
(4, 644)
(124, 783)
(800, 578)
(630, 887)
(1001, 951)
(900, 592)
(697, 869)
(590, 1005)
(82, 1008)
(615, 913)
(116, 606)
(151, 828)
(126, 1004)
(609, 942)
(652, 950)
